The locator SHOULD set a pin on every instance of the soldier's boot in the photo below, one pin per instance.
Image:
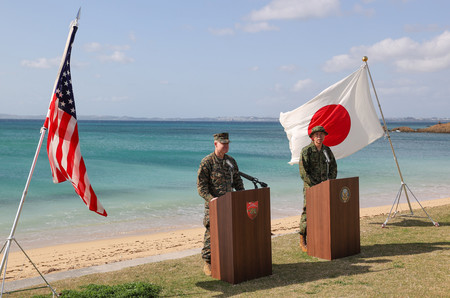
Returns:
(303, 243)
(207, 269)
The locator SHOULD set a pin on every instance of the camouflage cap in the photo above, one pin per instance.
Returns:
(222, 138)
(317, 129)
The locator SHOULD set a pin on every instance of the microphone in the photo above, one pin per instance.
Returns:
(328, 163)
(229, 163)
(252, 179)
(326, 156)
(248, 177)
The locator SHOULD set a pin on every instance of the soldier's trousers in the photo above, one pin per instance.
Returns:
(206, 250)
(303, 222)
(303, 216)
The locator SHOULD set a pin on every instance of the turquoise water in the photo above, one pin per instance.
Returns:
(144, 174)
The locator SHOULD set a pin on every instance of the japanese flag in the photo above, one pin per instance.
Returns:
(344, 109)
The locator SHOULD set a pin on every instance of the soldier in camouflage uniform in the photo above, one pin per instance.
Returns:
(313, 170)
(215, 178)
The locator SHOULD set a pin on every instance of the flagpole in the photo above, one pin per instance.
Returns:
(403, 185)
(6, 247)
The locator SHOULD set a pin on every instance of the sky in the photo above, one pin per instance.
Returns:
(224, 58)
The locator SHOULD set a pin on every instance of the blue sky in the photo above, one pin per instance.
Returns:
(179, 58)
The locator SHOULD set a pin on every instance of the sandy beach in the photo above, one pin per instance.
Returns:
(86, 254)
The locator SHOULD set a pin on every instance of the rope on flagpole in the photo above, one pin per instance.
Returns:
(403, 184)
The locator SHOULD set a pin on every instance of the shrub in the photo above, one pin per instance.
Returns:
(135, 289)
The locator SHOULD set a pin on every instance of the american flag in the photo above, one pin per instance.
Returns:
(63, 145)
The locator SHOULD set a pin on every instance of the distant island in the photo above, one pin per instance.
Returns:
(437, 128)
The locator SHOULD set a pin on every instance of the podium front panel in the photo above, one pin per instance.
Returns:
(345, 229)
(333, 219)
(241, 238)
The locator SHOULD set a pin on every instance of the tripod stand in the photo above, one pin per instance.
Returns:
(404, 187)
(5, 260)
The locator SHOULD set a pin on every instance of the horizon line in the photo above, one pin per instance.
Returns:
(221, 118)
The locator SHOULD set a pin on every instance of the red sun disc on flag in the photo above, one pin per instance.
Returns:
(336, 121)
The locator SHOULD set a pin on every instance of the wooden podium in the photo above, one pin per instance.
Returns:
(241, 246)
(332, 209)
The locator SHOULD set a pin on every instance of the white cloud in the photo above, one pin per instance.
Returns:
(254, 68)
(426, 64)
(278, 87)
(109, 53)
(405, 53)
(415, 28)
(98, 47)
(288, 68)
(340, 62)
(111, 99)
(402, 90)
(116, 56)
(256, 27)
(221, 32)
(390, 48)
(440, 45)
(132, 36)
(118, 47)
(302, 84)
(282, 10)
(295, 9)
(359, 9)
(92, 47)
(42, 63)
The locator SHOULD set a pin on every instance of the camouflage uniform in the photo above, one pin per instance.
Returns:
(313, 170)
(214, 180)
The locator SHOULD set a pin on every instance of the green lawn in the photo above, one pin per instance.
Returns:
(408, 258)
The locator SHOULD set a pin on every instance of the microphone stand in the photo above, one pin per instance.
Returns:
(253, 179)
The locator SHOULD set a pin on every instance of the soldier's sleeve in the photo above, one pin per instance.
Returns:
(203, 177)
(303, 165)
(333, 166)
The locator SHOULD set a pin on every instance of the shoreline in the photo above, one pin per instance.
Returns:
(64, 257)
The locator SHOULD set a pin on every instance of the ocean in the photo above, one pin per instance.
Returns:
(144, 174)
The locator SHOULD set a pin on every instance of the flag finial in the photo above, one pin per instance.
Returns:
(78, 14)
(365, 58)
(75, 22)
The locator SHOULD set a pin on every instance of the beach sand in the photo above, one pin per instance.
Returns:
(66, 257)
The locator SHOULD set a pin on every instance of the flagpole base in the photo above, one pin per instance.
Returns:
(397, 201)
(4, 267)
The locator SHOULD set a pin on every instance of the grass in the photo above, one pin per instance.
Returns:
(408, 258)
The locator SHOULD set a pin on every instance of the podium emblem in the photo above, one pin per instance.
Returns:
(344, 194)
(252, 209)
